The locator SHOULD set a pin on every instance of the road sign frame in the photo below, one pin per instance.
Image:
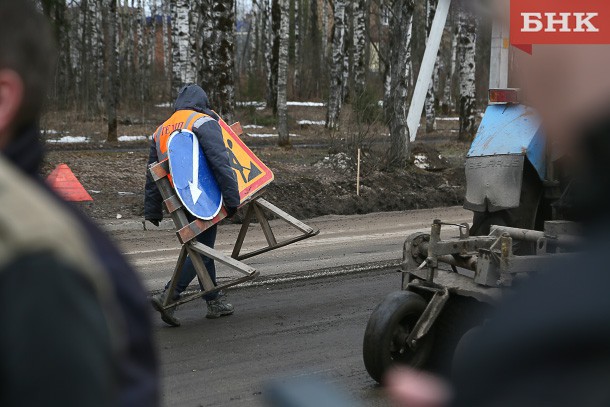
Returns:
(201, 164)
(248, 193)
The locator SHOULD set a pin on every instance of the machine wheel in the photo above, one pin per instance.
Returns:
(386, 333)
(460, 356)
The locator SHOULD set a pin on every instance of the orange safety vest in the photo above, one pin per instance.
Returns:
(181, 120)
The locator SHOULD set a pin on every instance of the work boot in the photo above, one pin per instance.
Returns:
(219, 307)
(167, 315)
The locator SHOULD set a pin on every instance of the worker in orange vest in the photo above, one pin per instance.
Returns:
(192, 112)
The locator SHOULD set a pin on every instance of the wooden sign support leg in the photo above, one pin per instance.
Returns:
(187, 233)
(257, 208)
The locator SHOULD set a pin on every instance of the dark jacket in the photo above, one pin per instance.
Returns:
(192, 97)
(76, 323)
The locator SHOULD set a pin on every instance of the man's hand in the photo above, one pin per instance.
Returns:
(231, 212)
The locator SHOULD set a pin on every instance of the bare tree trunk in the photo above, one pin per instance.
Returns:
(324, 52)
(97, 57)
(335, 98)
(195, 17)
(208, 47)
(467, 63)
(431, 100)
(282, 77)
(140, 23)
(448, 99)
(401, 24)
(224, 75)
(112, 55)
(359, 44)
(347, 25)
(297, 48)
(181, 67)
(166, 35)
(274, 55)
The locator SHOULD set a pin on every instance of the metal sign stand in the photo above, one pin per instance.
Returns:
(188, 231)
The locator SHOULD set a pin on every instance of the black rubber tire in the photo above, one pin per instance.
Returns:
(391, 321)
(459, 316)
(460, 355)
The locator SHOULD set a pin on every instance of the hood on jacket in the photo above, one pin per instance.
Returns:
(193, 97)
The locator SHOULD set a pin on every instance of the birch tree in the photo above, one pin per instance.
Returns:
(401, 25)
(297, 47)
(359, 44)
(335, 98)
(195, 42)
(224, 74)
(447, 104)
(467, 64)
(431, 99)
(273, 55)
(182, 72)
(208, 46)
(347, 39)
(166, 35)
(282, 77)
(112, 61)
(324, 52)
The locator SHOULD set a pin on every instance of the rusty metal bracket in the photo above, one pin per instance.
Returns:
(429, 316)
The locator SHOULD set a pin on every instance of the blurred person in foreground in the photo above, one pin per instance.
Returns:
(192, 112)
(75, 323)
(548, 344)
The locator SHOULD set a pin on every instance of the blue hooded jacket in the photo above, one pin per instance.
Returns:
(193, 97)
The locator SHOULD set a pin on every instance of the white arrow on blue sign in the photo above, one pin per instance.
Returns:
(193, 178)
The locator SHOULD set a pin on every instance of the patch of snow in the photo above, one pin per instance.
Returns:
(54, 132)
(268, 135)
(252, 103)
(166, 104)
(119, 216)
(133, 138)
(421, 161)
(307, 104)
(126, 193)
(252, 126)
(93, 191)
(340, 161)
(70, 139)
(311, 123)
(448, 119)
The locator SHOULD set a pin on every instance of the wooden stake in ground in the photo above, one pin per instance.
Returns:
(358, 176)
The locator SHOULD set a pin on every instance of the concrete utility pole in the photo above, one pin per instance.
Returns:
(427, 67)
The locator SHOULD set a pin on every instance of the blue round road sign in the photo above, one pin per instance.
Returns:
(193, 179)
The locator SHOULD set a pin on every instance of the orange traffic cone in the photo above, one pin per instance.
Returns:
(64, 182)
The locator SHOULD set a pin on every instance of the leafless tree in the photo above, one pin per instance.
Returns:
(401, 24)
(467, 64)
(335, 98)
(282, 77)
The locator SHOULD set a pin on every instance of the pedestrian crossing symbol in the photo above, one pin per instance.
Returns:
(252, 174)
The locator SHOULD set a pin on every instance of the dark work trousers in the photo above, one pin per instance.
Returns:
(188, 274)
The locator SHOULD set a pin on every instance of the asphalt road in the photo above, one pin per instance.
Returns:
(305, 315)
(344, 243)
(299, 329)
